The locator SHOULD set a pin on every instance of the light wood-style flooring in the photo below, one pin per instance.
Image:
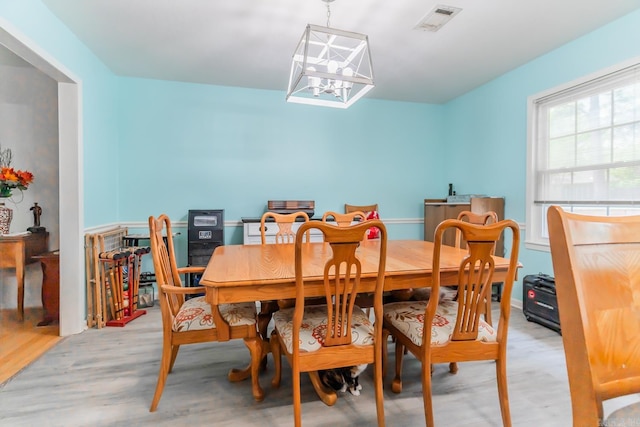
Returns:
(23, 342)
(107, 377)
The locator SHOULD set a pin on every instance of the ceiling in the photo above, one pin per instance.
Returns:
(249, 43)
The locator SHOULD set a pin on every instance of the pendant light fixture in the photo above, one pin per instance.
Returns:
(330, 67)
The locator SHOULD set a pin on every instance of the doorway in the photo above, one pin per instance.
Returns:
(72, 305)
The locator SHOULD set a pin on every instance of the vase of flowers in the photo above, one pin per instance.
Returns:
(6, 215)
(10, 180)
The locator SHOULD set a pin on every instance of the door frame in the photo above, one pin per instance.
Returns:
(70, 176)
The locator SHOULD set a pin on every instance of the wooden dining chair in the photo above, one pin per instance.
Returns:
(338, 333)
(284, 222)
(362, 208)
(345, 219)
(284, 235)
(457, 332)
(489, 217)
(194, 320)
(596, 262)
(486, 218)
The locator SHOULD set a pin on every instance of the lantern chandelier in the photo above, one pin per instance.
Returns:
(330, 67)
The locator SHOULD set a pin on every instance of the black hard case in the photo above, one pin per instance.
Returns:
(539, 302)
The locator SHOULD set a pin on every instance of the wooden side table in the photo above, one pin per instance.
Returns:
(17, 251)
(50, 262)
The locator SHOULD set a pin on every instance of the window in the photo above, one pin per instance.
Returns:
(584, 149)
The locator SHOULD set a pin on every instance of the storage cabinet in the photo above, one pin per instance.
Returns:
(437, 210)
(205, 233)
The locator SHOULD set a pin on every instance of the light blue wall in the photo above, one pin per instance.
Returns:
(153, 146)
(487, 128)
(101, 149)
(190, 146)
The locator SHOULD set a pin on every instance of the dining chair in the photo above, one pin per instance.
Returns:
(596, 263)
(370, 212)
(345, 219)
(486, 218)
(457, 332)
(489, 217)
(284, 235)
(338, 333)
(284, 222)
(194, 320)
(362, 208)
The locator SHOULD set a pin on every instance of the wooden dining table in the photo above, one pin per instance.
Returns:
(245, 273)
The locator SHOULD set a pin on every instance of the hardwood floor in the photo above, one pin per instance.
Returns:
(106, 377)
(23, 342)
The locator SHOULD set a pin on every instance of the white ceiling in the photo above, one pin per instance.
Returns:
(249, 43)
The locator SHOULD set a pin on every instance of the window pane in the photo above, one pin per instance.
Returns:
(562, 120)
(590, 185)
(625, 183)
(624, 211)
(555, 186)
(590, 210)
(626, 143)
(594, 112)
(594, 148)
(627, 104)
(562, 153)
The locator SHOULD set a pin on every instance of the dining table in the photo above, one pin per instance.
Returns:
(246, 273)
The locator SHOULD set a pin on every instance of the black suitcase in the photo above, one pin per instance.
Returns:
(539, 302)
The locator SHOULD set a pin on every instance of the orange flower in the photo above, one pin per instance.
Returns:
(8, 174)
(11, 179)
(25, 177)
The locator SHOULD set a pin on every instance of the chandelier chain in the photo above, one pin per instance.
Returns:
(328, 15)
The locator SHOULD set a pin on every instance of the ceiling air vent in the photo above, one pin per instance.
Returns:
(437, 17)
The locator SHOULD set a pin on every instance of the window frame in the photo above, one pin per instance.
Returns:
(536, 222)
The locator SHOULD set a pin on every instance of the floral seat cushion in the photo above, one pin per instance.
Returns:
(195, 314)
(408, 318)
(314, 327)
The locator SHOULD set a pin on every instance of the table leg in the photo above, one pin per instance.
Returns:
(20, 282)
(258, 349)
(327, 395)
(50, 288)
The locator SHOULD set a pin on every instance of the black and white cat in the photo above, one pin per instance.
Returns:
(343, 379)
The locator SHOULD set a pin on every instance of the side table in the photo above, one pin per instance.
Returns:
(18, 250)
(50, 262)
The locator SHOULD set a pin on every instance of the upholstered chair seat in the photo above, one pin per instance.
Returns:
(314, 327)
(195, 314)
(408, 317)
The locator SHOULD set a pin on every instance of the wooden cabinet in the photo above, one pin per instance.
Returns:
(437, 210)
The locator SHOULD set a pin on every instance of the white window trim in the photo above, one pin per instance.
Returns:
(532, 215)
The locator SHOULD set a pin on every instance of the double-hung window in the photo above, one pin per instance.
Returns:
(584, 149)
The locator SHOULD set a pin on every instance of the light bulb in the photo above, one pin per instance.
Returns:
(332, 67)
(313, 82)
(346, 86)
